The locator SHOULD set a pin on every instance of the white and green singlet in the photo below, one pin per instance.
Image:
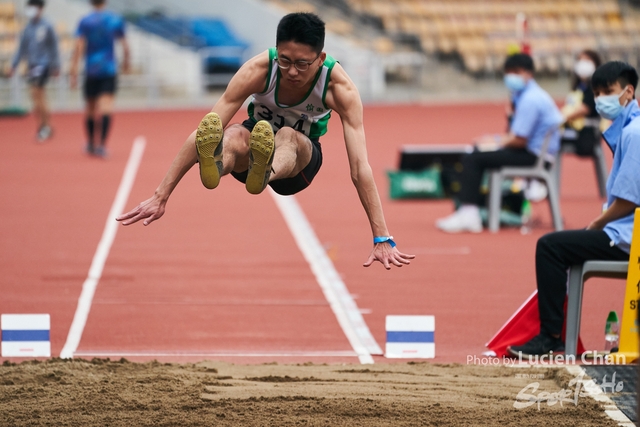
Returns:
(309, 116)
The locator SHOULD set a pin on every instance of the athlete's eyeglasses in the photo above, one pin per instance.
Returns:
(300, 65)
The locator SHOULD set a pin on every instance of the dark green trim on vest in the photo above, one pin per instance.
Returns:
(329, 62)
(320, 127)
(273, 54)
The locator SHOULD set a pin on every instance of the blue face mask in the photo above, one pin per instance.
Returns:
(608, 106)
(514, 82)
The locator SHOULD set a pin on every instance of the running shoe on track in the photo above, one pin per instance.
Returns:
(261, 149)
(539, 345)
(44, 133)
(209, 148)
(101, 151)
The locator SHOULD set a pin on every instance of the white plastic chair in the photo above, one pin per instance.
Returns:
(578, 274)
(538, 171)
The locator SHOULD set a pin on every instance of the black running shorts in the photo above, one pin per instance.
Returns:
(38, 75)
(96, 86)
(293, 185)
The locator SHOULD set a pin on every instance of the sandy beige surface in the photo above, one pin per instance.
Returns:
(122, 393)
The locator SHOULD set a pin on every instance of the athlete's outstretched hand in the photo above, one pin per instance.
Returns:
(149, 210)
(388, 255)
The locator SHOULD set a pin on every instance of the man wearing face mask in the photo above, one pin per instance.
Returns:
(608, 236)
(535, 115)
(582, 119)
(39, 45)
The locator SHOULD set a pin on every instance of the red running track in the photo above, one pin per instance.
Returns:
(220, 275)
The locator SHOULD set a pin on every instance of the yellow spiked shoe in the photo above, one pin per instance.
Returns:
(209, 147)
(261, 149)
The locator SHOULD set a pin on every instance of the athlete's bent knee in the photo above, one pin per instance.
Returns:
(236, 139)
(236, 133)
(286, 135)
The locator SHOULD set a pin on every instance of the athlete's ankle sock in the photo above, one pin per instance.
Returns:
(106, 123)
(90, 125)
(469, 209)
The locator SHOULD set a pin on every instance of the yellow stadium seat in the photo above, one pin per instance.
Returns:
(7, 10)
(474, 26)
(446, 44)
(12, 27)
(483, 32)
(442, 27)
(301, 6)
(567, 24)
(631, 25)
(614, 23)
(427, 28)
(339, 26)
(590, 8)
(622, 42)
(479, 9)
(429, 44)
(410, 24)
(427, 10)
(610, 8)
(8, 46)
(599, 24)
(383, 45)
(473, 63)
(390, 23)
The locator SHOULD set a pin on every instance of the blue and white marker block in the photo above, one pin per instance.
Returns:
(410, 337)
(25, 335)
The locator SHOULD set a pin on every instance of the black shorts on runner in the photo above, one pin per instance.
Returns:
(293, 185)
(96, 86)
(38, 75)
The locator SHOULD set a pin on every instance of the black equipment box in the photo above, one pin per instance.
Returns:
(446, 158)
(418, 157)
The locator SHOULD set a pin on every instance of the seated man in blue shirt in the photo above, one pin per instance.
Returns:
(608, 237)
(535, 115)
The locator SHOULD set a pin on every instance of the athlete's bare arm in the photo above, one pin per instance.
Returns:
(126, 55)
(249, 79)
(343, 98)
(78, 50)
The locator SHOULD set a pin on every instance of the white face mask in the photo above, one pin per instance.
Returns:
(584, 68)
(31, 12)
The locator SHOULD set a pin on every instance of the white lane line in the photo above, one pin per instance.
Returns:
(102, 252)
(334, 289)
(215, 354)
(590, 388)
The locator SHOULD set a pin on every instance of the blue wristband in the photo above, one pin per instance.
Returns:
(381, 239)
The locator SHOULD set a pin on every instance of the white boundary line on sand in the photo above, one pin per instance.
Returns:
(102, 252)
(596, 393)
(334, 289)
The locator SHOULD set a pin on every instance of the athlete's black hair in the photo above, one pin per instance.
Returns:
(304, 28)
(612, 72)
(98, 2)
(37, 3)
(518, 61)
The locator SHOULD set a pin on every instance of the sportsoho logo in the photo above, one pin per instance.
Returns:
(529, 395)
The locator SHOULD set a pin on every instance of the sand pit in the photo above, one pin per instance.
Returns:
(122, 393)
